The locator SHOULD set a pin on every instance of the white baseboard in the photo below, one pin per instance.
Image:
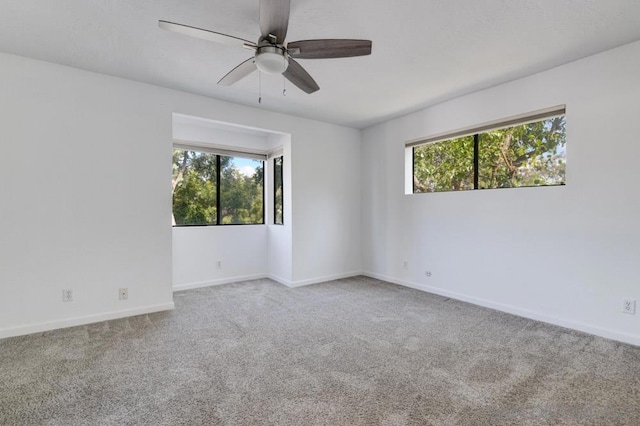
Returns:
(309, 281)
(88, 319)
(633, 339)
(280, 280)
(221, 281)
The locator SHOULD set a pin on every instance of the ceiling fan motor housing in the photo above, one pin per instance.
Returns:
(272, 59)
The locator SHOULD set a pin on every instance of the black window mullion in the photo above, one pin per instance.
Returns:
(413, 169)
(218, 174)
(476, 160)
(275, 206)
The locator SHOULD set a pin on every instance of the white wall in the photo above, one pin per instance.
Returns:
(326, 200)
(566, 255)
(86, 196)
(279, 237)
(196, 129)
(242, 251)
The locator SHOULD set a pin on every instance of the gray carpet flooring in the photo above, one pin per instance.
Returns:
(348, 352)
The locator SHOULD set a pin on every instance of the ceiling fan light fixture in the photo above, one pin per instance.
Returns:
(272, 59)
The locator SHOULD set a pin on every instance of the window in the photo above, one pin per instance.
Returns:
(443, 166)
(213, 189)
(278, 194)
(530, 153)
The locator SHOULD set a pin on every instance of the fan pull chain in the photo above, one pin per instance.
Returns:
(259, 87)
(284, 86)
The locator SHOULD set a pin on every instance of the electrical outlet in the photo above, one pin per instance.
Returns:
(123, 293)
(67, 295)
(405, 264)
(219, 264)
(427, 274)
(629, 306)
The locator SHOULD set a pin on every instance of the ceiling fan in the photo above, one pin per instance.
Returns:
(272, 54)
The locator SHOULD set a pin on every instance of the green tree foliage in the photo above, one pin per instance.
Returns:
(241, 197)
(527, 155)
(443, 166)
(531, 154)
(195, 190)
(278, 193)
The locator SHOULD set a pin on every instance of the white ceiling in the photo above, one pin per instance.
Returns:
(424, 51)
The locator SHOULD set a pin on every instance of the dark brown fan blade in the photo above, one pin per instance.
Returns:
(274, 18)
(239, 72)
(206, 34)
(298, 76)
(328, 48)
